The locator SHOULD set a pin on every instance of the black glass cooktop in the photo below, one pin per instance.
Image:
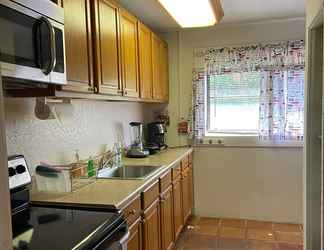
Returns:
(41, 228)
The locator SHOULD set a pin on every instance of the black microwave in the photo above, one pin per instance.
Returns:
(32, 41)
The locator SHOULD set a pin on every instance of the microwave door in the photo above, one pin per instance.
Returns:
(58, 75)
(45, 49)
(18, 56)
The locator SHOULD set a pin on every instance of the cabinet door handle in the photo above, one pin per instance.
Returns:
(125, 92)
(132, 212)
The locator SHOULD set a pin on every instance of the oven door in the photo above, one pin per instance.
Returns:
(31, 45)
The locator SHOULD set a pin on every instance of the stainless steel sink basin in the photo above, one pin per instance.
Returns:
(128, 172)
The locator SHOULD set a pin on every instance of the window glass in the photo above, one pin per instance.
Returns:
(233, 102)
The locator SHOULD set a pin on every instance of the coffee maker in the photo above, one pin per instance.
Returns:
(156, 133)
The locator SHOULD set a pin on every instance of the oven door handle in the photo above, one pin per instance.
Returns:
(52, 47)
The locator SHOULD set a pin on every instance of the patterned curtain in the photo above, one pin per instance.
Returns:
(281, 97)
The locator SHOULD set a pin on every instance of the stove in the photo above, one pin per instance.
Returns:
(59, 228)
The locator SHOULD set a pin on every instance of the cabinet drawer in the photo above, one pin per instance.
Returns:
(133, 211)
(184, 162)
(176, 171)
(165, 181)
(150, 194)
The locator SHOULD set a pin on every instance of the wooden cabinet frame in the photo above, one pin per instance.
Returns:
(76, 85)
(112, 88)
(130, 92)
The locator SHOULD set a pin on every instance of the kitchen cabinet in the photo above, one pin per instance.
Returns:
(78, 46)
(190, 177)
(132, 214)
(185, 184)
(177, 207)
(134, 241)
(167, 228)
(164, 71)
(157, 86)
(129, 49)
(160, 69)
(107, 47)
(145, 61)
(151, 227)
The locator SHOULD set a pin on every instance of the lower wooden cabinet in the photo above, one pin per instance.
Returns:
(157, 216)
(151, 227)
(186, 207)
(135, 236)
(167, 229)
(177, 207)
(191, 190)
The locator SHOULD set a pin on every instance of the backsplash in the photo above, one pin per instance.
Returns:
(91, 127)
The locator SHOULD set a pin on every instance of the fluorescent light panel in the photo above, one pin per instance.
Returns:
(190, 13)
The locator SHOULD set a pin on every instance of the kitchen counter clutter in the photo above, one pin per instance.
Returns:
(115, 193)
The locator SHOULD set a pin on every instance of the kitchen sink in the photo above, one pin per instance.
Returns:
(128, 172)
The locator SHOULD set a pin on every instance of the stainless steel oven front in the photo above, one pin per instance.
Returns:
(32, 41)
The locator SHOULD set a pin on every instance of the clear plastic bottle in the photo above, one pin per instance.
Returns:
(116, 155)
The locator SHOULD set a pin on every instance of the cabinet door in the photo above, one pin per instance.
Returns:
(107, 47)
(129, 54)
(167, 234)
(156, 57)
(190, 182)
(151, 227)
(177, 208)
(135, 237)
(78, 46)
(164, 71)
(145, 61)
(186, 209)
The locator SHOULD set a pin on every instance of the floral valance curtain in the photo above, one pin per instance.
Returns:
(281, 97)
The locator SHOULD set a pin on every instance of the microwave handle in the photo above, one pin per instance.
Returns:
(52, 59)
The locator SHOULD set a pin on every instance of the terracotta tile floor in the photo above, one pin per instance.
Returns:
(235, 234)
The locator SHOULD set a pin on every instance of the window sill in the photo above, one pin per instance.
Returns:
(246, 140)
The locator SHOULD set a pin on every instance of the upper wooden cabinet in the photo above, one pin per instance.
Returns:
(129, 49)
(78, 46)
(157, 86)
(110, 52)
(160, 69)
(107, 47)
(164, 70)
(145, 61)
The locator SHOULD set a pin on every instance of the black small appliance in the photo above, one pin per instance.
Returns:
(59, 228)
(156, 133)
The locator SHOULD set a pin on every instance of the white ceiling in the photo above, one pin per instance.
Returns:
(236, 11)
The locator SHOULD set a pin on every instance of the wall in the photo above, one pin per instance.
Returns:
(90, 128)
(253, 166)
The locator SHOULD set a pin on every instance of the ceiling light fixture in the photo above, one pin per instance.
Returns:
(194, 13)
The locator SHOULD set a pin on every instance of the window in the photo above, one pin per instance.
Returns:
(233, 101)
(254, 91)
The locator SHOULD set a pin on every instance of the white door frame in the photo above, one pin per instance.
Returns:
(5, 211)
(313, 151)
